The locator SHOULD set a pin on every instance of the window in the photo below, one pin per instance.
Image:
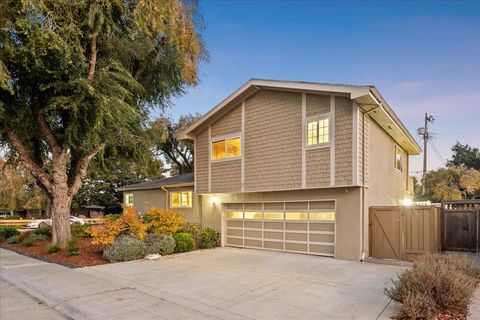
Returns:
(226, 148)
(181, 199)
(318, 131)
(129, 200)
(398, 159)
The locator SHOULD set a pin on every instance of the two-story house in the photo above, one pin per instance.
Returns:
(291, 166)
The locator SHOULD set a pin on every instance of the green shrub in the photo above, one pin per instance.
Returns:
(114, 216)
(79, 230)
(159, 243)
(191, 228)
(46, 231)
(13, 239)
(208, 238)
(24, 235)
(7, 232)
(125, 248)
(11, 217)
(436, 283)
(183, 242)
(72, 249)
(28, 242)
(53, 248)
(40, 237)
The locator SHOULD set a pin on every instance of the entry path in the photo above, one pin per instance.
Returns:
(223, 283)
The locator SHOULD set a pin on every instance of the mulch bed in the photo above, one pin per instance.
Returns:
(90, 254)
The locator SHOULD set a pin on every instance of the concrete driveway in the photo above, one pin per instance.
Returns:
(253, 284)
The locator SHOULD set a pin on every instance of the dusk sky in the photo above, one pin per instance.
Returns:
(422, 56)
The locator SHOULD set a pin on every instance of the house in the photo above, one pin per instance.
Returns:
(291, 166)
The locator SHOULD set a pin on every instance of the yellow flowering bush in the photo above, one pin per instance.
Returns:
(164, 221)
(128, 223)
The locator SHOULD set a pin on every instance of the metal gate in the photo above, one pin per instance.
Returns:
(402, 233)
(460, 225)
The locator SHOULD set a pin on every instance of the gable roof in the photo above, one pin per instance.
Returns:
(183, 180)
(366, 96)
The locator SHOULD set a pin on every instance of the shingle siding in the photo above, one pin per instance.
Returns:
(317, 104)
(343, 141)
(318, 168)
(201, 162)
(229, 123)
(273, 141)
(226, 176)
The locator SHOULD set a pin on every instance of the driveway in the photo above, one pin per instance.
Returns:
(223, 283)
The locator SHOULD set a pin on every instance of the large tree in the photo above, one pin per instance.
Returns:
(178, 154)
(453, 183)
(78, 78)
(465, 156)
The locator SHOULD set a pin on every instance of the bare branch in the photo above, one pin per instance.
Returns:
(48, 134)
(92, 60)
(34, 169)
(80, 171)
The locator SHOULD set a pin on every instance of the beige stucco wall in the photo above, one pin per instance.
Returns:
(348, 218)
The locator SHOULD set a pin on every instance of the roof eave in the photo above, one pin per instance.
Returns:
(177, 185)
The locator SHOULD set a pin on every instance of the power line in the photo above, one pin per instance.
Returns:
(437, 153)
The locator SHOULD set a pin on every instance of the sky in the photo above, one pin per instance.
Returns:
(422, 56)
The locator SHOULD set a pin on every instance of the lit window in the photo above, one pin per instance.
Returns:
(181, 199)
(296, 215)
(318, 132)
(322, 216)
(398, 159)
(253, 215)
(235, 214)
(227, 148)
(129, 200)
(273, 215)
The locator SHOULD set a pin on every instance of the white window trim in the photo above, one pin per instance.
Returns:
(395, 158)
(225, 138)
(126, 199)
(181, 207)
(318, 118)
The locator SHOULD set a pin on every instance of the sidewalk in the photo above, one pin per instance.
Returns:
(78, 295)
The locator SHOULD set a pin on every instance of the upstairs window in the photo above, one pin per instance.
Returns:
(181, 199)
(398, 159)
(129, 200)
(226, 148)
(318, 131)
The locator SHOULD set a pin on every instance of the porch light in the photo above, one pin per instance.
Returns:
(214, 200)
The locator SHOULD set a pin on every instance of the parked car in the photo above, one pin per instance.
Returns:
(48, 222)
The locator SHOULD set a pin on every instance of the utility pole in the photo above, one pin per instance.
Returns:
(426, 136)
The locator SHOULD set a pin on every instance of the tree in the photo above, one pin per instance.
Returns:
(454, 183)
(465, 156)
(178, 154)
(78, 79)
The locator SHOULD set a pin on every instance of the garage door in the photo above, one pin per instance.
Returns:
(305, 227)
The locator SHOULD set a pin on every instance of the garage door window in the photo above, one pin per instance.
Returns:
(253, 215)
(326, 216)
(296, 215)
(235, 215)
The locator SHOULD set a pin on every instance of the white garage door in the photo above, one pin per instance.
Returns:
(305, 227)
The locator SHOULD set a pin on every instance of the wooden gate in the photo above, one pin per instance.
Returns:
(460, 225)
(402, 233)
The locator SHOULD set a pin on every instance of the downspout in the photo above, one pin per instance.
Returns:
(363, 180)
(166, 197)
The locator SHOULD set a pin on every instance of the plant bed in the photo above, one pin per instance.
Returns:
(90, 254)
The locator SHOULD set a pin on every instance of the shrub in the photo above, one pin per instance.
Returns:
(128, 223)
(13, 239)
(72, 249)
(183, 242)
(163, 221)
(114, 216)
(436, 283)
(53, 248)
(208, 238)
(28, 242)
(24, 235)
(159, 243)
(191, 228)
(40, 237)
(11, 217)
(125, 248)
(46, 231)
(79, 230)
(7, 232)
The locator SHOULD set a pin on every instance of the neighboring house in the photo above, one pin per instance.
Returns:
(292, 166)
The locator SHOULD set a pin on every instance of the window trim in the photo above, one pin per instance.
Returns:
(127, 195)
(237, 135)
(395, 158)
(318, 118)
(180, 192)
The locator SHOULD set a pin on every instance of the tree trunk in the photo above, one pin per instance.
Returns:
(60, 210)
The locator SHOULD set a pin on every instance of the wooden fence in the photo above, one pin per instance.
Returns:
(461, 225)
(22, 223)
(402, 233)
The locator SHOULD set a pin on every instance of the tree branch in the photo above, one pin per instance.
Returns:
(92, 60)
(48, 134)
(32, 166)
(80, 171)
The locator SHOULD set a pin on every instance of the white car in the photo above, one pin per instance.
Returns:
(48, 222)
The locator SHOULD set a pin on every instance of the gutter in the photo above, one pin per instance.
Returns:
(166, 197)
(126, 188)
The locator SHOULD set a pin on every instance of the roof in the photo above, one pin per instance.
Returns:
(366, 96)
(176, 181)
(93, 206)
